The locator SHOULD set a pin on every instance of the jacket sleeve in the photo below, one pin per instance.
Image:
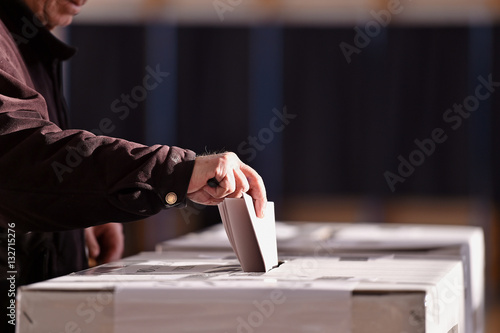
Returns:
(53, 179)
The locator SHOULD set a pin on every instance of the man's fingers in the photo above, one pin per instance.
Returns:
(92, 244)
(227, 185)
(112, 254)
(204, 198)
(260, 207)
(242, 185)
(114, 242)
(234, 178)
(257, 189)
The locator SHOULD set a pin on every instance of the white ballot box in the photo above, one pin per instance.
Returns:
(464, 243)
(208, 292)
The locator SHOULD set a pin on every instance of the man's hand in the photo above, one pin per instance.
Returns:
(105, 242)
(234, 177)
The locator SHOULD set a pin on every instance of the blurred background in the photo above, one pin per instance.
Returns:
(352, 111)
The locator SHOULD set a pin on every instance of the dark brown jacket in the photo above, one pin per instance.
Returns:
(55, 180)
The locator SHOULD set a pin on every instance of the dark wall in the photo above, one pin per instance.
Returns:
(110, 62)
(358, 117)
(348, 122)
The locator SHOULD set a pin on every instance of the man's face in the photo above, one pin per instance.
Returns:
(53, 13)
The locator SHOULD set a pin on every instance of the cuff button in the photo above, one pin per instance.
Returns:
(171, 198)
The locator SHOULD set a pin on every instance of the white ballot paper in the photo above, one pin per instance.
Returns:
(253, 239)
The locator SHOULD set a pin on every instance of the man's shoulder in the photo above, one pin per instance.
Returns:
(11, 61)
(5, 37)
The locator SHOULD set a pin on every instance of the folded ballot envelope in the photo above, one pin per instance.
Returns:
(204, 292)
(253, 239)
(432, 242)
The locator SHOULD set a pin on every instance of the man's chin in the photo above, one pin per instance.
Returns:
(61, 22)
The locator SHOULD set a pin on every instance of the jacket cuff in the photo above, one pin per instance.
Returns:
(174, 194)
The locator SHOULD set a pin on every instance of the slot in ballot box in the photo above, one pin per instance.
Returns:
(208, 292)
(432, 242)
